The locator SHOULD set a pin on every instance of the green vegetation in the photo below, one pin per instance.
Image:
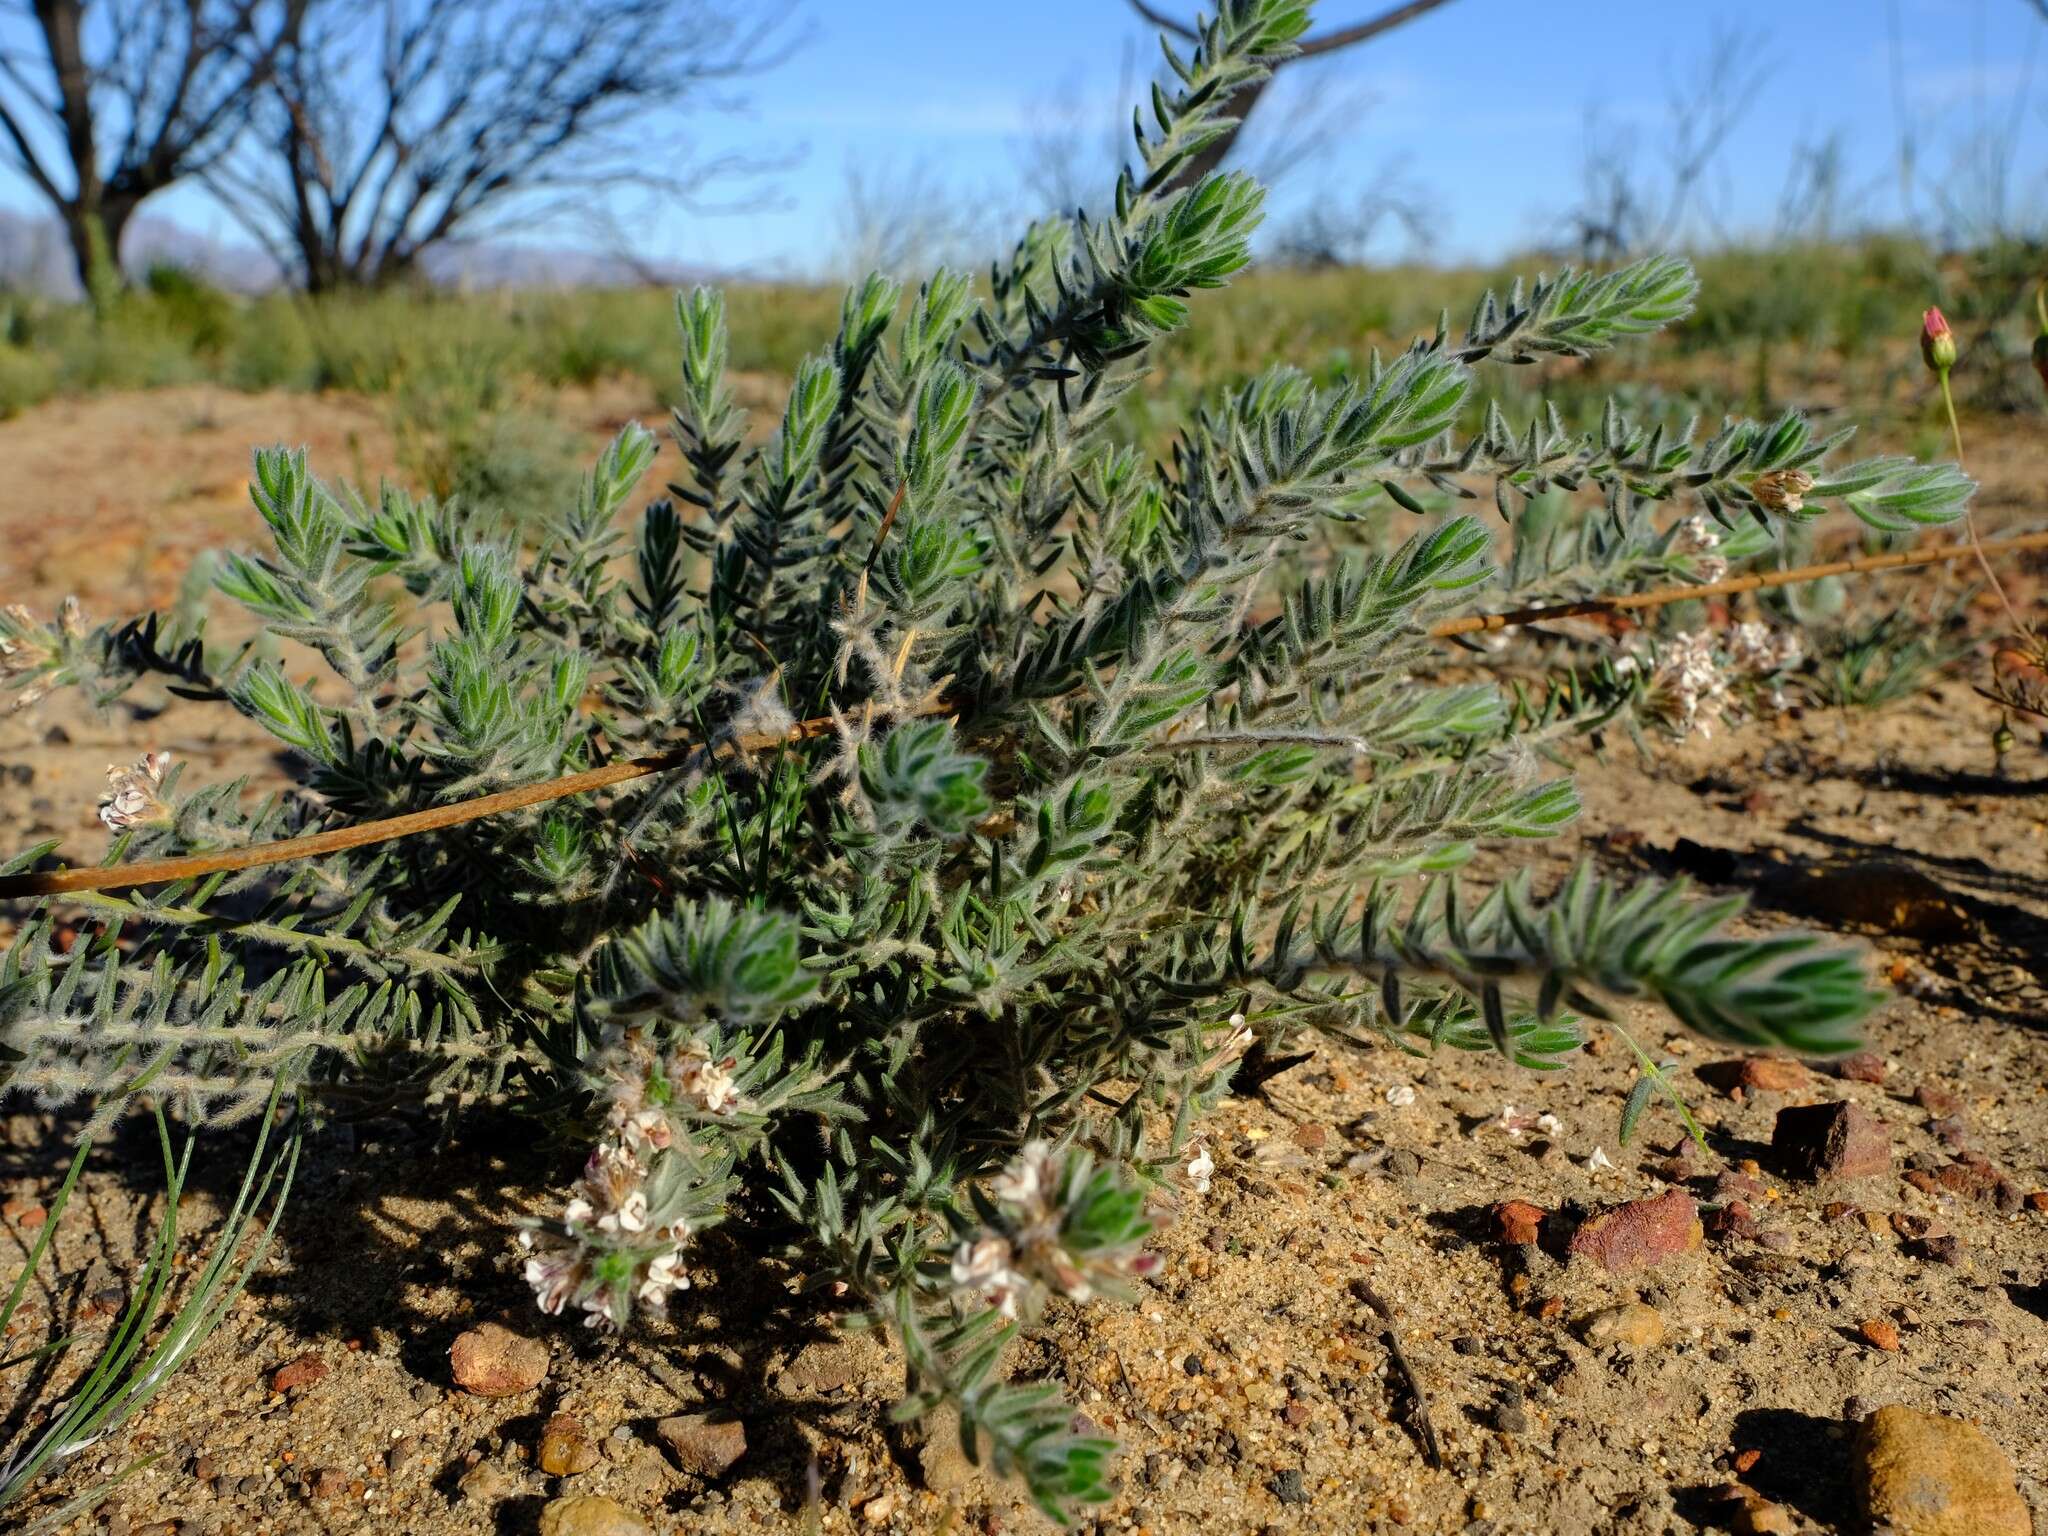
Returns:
(1777, 312)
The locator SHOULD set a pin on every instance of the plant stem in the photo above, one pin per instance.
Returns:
(1948, 399)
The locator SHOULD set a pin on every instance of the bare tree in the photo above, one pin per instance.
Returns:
(106, 102)
(1623, 209)
(1338, 230)
(405, 125)
(1248, 97)
(905, 218)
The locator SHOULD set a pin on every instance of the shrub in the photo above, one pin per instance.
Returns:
(190, 307)
(999, 787)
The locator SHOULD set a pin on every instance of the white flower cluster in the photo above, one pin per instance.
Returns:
(1693, 686)
(611, 1251)
(1691, 683)
(1008, 1267)
(134, 795)
(647, 1089)
(1758, 650)
(620, 1242)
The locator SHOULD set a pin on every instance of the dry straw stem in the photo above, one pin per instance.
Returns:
(362, 834)
(1862, 565)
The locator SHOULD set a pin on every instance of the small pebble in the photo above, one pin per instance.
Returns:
(1635, 1327)
(702, 1444)
(294, 1374)
(493, 1361)
(585, 1515)
(566, 1447)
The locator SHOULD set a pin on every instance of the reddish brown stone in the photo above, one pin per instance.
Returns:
(1772, 1074)
(1518, 1222)
(302, 1372)
(1862, 1067)
(1744, 1460)
(25, 1214)
(1950, 1131)
(493, 1361)
(2037, 1200)
(1938, 1248)
(1735, 1219)
(704, 1445)
(1840, 1210)
(566, 1448)
(1910, 1224)
(1756, 1074)
(1733, 1184)
(1936, 1100)
(1641, 1233)
(1976, 1177)
(1923, 1181)
(1879, 1333)
(1831, 1141)
(1311, 1137)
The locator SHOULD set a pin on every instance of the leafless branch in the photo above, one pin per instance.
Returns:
(1245, 100)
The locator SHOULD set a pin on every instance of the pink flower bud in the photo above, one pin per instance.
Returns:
(1937, 341)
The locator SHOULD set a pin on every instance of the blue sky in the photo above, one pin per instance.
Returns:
(1479, 111)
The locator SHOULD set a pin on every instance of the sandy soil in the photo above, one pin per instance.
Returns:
(1251, 1385)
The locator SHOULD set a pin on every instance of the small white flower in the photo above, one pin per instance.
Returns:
(979, 1262)
(1401, 1095)
(1201, 1169)
(1759, 649)
(664, 1275)
(1234, 1045)
(23, 652)
(1690, 683)
(554, 1273)
(645, 1132)
(985, 1265)
(132, 797)
(707, 1084)
(1030, 1179)
(631, 1216)
(578, 1212)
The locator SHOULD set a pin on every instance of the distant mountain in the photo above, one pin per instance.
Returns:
(34, 256)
